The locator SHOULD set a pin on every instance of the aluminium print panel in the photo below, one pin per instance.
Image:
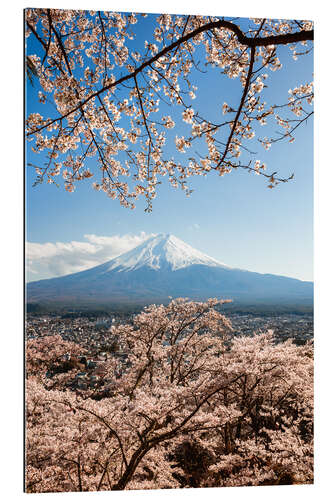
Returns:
(168, 302)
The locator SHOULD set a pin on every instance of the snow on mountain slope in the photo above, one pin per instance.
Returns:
(163, 250)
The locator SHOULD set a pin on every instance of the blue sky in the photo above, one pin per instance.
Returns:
(235, 219)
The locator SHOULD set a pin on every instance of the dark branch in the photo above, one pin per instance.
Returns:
(241, 104)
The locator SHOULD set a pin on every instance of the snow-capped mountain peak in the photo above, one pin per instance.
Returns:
(159, 252)
(164, 266)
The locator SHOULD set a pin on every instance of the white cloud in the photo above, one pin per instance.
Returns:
(49, 260)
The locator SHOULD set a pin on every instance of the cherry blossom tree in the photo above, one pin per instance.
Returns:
(189, 406)
(128, 102)
(45, 353)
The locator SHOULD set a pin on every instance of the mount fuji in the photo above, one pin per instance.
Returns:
(164, 266)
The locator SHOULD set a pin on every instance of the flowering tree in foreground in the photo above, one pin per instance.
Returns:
(118, 97)
(188, 407)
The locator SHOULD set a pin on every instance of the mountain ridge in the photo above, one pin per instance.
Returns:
(164, 266)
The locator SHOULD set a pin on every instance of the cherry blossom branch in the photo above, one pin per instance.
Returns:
(250, 42)
(59, 41)
(148, 445)
(289, 132)
(113, 432)
(105, 470)
(241, 104)
(145, 122)
(113, 127)
(105, 43)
